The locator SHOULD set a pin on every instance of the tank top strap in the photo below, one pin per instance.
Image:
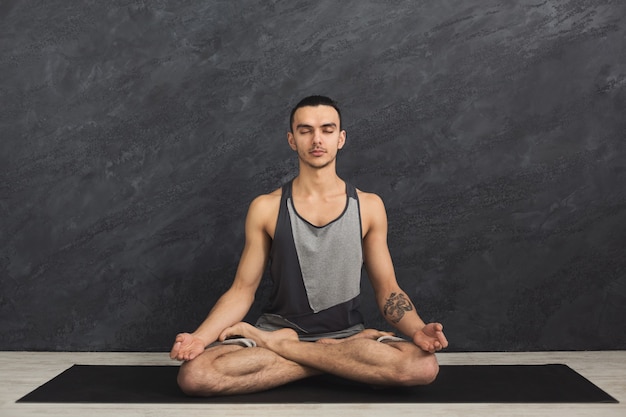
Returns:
(286, 192)
(351, 191)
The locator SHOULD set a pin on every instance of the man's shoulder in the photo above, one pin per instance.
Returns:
(369, 199)
(266, 202)
(372, 210)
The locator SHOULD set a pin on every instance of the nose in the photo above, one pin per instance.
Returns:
(317, 136)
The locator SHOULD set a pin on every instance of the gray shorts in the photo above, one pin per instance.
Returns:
(272, 322)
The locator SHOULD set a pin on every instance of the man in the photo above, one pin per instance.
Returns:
(316, 232)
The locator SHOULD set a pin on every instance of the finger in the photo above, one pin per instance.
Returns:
(175, 350)
(433, 328)
(428, 347)
(443, 340)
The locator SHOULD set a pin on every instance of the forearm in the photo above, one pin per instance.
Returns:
(400, 312)
(230, 308)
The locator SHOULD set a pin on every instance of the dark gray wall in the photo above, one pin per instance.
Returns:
(134, 135)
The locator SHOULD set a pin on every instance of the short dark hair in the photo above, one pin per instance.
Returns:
(314, 101)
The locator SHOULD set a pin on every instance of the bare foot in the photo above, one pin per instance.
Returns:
(371, 334)
(365, 334)
(262, 338)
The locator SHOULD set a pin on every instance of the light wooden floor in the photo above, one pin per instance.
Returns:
(21, 372)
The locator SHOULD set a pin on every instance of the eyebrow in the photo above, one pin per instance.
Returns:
(303, 125)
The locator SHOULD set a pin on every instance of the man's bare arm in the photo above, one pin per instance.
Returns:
(235, 303)
(395, 305)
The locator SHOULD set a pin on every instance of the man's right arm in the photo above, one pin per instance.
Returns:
(235, 303)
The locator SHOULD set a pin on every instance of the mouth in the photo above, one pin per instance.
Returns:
(317, 152)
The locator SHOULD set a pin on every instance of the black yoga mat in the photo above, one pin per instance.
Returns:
(455, 384)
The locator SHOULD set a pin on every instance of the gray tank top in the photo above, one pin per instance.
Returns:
(316, 271)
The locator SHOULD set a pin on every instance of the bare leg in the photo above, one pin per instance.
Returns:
(359, 358)
(225, 370)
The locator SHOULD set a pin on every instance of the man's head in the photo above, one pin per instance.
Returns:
(315, 131)
(314, 101)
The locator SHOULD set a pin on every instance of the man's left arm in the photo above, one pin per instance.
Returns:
(395, 305)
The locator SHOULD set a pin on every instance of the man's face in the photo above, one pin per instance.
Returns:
(316, 135)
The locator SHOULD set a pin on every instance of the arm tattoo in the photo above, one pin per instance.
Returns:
(395, 307)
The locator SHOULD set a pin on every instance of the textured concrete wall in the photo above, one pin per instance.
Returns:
(134, 134)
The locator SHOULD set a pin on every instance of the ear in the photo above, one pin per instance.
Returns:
(292, 141)
(342, 139)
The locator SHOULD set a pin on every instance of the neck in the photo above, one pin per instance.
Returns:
(317, 181)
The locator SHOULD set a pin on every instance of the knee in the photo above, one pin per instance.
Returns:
(421, 371)
(195, 381)
(430, 370)
(188, 379)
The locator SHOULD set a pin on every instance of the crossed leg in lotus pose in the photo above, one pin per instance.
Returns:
(280, 357)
